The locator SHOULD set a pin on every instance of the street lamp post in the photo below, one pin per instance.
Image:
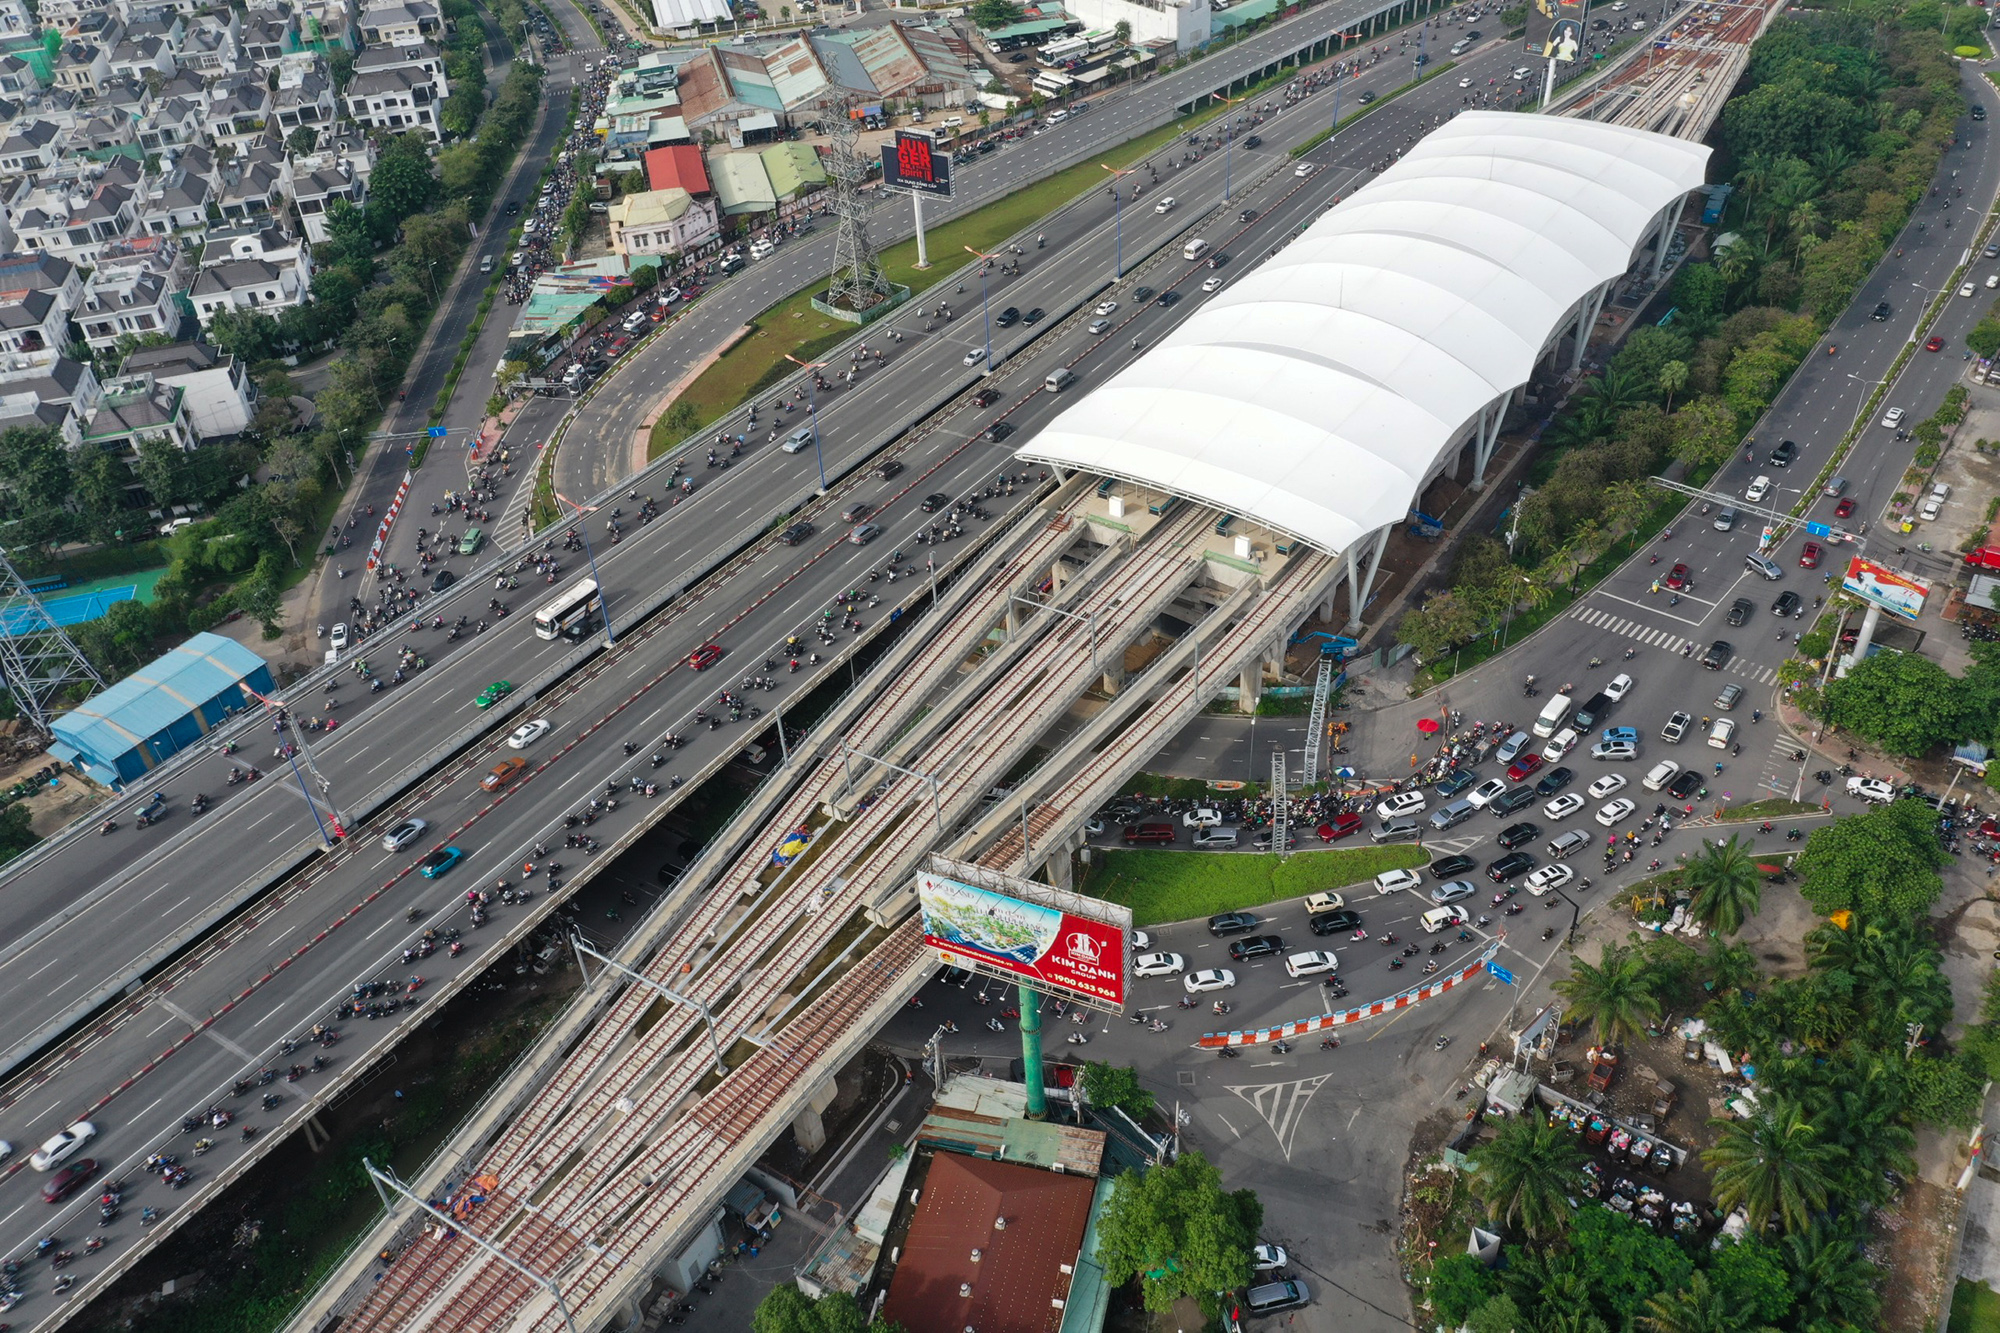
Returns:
(1118, 212)
(812, 411)
(1228, 138)
(590, 557)
(985, 308)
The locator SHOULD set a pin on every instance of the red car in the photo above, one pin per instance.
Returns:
(1809, 556)
(68, 1180)
(1523, 767)
(705, 656)
(1339, 827)
(1677, 577)
(1936, 344)
(1844, 509)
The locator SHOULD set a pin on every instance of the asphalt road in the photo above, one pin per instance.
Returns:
(786, 590)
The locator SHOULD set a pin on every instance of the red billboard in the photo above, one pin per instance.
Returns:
(1044, 946)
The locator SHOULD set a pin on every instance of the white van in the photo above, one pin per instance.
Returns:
(1552, 718)
(1442, 918)
(761, 249)
(1194, 249)
(952, 122)
(1059, 379)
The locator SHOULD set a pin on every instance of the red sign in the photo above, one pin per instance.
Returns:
(1039, 944)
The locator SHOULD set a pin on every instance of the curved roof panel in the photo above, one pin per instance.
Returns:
(1315, 394)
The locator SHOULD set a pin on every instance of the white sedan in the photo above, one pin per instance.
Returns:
(1211, 284)
(1615, 811)
(1620, 686)
(1303, 170)
(1967, 289)
(1159, 965)
(1311, 963)
(1166, 205)
(405, 833)
(1605, 785)
(1208, 979)
(63, 1146)
(1562, 807)
(528, 733)
(1465, 82)
(1759, 488)
(1661, 774)
(1486, 793)
(1105, 307)
(1141, 941)
(1871, 789)
(972, 358)
(1402, 803)
(1549, 877)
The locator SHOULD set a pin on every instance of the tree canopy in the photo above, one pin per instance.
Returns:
(1176, 1229)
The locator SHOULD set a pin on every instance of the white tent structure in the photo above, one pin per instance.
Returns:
(1321, 391)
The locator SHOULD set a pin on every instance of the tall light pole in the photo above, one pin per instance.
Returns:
(590, 557)
(985, 309)
(1118, 211)
(812, 410)
(1228, 138)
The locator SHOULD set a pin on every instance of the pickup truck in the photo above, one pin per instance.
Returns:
(1603, 1069)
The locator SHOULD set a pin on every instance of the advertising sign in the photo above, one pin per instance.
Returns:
(914, 162)
(1555, 29)
(1896, 593)
(1042, 945)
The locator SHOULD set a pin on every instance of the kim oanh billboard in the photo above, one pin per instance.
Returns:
(1042, 944)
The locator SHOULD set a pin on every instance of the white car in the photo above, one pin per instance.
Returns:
(1615, 811)
(1614, 752)
(1722, 733)
(1303, 169)
(1893, 418)
(63, 1146)
(1562, 807)
(1992, 281)
(338, 638)
(1158, 965)
(1311, 963)
(1465, 82)
(1396, 881)
(1619, 686)
(1871, 789)
(1105, 307)
(1661, 774)
(973, 357)
(1486, 793)
(1605, 785)
(1166, 205)
(1201, 816)
(1211, 284)
(1402, 803)
(1758, 490)
(1521, 74)
(405, 833)
(1208, 979)
(1324, 902)
(1268, 1258)
(1549, 877)
(528, 733)
(1676, 727)
(1141, 941)
(1967, 289)
(1560, 744)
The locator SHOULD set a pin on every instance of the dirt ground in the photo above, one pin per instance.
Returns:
(21, 755)
(1912, 1242)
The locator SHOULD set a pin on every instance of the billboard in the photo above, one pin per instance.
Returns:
(1555, 29)
(914, 162)
(1036, 942)
(1896, 593)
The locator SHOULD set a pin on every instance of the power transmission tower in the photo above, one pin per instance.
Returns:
(1281, 806)
(39, 661)
(858, 282)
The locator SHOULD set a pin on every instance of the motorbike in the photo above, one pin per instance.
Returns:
(1077, 1039)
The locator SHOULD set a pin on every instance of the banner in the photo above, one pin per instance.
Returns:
(1898, 594)
(1555, 29)
(1039, 944)
(914, 162)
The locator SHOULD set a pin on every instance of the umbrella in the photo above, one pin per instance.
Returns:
(1427, 725)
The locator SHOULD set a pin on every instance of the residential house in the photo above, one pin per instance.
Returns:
(307, 104)
(16, 18)
(728, 93)
(211, 47)
(18, 77)
(267, 34)
(396, 100)
(34, 329)
(82, 67)
(30, 148)
(61, 395)
(177, 197)
(662, 222)
(175, 121)
(66, 14)
(42, 273)
(251, 267)
(239, 106)
(136, 57)
(137, 410)
(400, 22)
(219, 396)
(257, 185)
(139, 287)
(907, 63)
(74, 218)
(316, 188)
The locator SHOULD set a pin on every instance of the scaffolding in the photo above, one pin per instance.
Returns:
(1281, 823)
(1316, 724)
(41, 663)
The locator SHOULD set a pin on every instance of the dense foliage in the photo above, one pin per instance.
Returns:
(1176, 1229)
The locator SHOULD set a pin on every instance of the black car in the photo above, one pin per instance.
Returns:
(999, 431)
(1881, 312)
(1421, 60)
(1168, 298)
(1739, 610)
(1685, 785)
(1142, 293)
(513, 207)
(1218, 259)
(888, 469)
(1978, 111)
(1256, 946)
(1593, 710)
(1332, 923)
(1451, 867)
(1510, 866)
(1718, 655)
(1232, 923)
(796, 533)
(1554, 781)
(1034, 316)
(1507, 802)
(1788, 604)
(986, 398)
(1783, 455)
(445, 578)
(1247, 215)
(1515, 835)
(1368, 95)
(1009, 317)
(1253, 141)
(935, 501)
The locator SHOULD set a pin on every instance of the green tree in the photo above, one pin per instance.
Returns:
(35, 484)
(401, 186)
(1175, 1227)
(1700, 1307)
(1673, 377)
(1525, 1175)
(1615, 996)
(1883, 864)
(15, 834)
(302, 140)
(786, 1309)
(1445, 621)
(1459, 1284)
(1727, 887)
(1705, 433)
(1906, 704)
(995, 13)
(1831, 1279)
(1751, 1277)
(1110, 1085)
(1771, 1165)
(1621, 1262)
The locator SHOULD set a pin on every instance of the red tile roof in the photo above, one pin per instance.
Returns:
(1019, 1275)
(679, 165)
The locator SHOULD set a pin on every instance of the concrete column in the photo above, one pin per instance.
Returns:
(1250, 684)
(807, 1127)
(1586, 319)
(1062, 865)
(1360, 598)
(1011, 621)
(1664, 236)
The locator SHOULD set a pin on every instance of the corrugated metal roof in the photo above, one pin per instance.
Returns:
(741, 183)
(157, 695)
(791, 167)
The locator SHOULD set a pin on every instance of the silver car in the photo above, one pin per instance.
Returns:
(1452, 892)
(405, 833)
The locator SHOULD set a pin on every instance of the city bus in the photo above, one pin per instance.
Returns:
(573, 614)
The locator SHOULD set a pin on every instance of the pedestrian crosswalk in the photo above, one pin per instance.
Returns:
(1666, 641)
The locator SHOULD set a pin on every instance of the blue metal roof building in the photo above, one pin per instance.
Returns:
(160, 709)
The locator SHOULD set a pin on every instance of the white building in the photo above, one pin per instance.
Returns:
(219, 397)
(135, 291)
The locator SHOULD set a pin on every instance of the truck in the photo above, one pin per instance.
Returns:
(757, 1209)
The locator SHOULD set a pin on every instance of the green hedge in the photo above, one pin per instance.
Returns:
(1162, 886)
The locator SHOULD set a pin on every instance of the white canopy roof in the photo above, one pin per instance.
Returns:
(1315, 394)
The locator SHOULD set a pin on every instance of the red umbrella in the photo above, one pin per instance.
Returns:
(1427, 725)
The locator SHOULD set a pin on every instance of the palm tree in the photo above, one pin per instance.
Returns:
(1696, 1308)
(1616, 995)
(1731, 967)
(1727, 887)
(1672, 379)
(1771, 1164)
(1832, 1280)
(1526, 1175)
